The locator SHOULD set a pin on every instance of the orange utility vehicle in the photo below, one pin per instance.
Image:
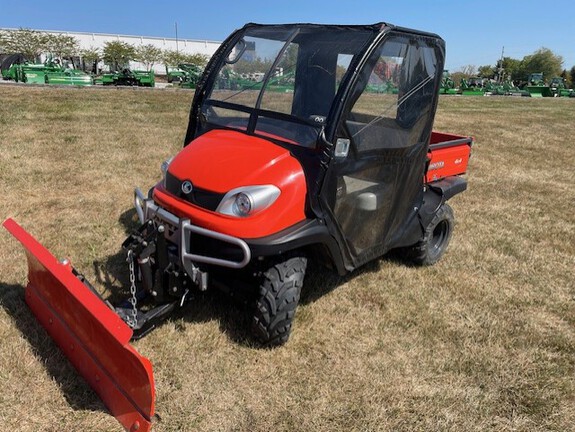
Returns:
(293, 152)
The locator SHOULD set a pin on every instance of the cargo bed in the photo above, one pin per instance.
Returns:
(448, 155)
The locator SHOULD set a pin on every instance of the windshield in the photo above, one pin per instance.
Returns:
(280, 81)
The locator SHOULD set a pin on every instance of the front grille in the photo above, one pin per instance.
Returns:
(200, 197)
(206, 246)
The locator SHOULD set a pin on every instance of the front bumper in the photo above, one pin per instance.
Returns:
(179, 231)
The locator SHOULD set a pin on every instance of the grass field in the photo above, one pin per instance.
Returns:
(484, 340)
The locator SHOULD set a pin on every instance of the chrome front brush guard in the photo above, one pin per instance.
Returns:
(178, 231)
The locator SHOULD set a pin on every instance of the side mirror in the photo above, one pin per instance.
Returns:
(237, 52)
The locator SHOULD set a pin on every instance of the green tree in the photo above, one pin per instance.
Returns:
(148, 55)
(61, 46)
(566, 78)
(572, 75)
(91, 56)
(511, 69)
(174, 58)
(543, 60)
(463, 73)
(468, 71)
(118, 54)
(200, 60)
(256, 66)
(31, 43)
(486, 71)
(4, 41)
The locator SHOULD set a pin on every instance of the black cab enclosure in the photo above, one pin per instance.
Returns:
(355, 105)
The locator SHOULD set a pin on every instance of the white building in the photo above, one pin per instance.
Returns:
(97, 40)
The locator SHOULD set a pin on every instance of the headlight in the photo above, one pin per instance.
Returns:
(248, 200)
(242, 204)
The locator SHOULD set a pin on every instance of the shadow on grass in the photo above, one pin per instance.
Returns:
(213, 305)
(231, 305)
(77, 392)
(201, 307)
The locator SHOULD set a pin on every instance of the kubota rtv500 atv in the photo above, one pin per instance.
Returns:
(293, 152)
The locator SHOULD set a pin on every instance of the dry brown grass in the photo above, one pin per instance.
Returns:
(485, 340)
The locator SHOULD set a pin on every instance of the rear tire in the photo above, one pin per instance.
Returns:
(277, 300)
(435, 240)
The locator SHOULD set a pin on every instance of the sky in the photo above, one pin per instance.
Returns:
(475, 32)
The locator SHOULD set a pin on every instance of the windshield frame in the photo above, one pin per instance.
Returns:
(199, 117)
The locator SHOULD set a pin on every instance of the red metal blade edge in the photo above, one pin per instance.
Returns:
(90, 334)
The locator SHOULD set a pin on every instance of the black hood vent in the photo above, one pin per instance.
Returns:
(202, 198)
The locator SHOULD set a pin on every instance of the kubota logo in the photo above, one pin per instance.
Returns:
(436, 165)
(187, 187)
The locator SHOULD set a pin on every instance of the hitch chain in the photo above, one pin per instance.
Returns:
(132, 320)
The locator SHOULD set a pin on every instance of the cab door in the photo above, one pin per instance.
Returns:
(381, 146)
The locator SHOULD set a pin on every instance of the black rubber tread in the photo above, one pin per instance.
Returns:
(277, 300)
(431, 247)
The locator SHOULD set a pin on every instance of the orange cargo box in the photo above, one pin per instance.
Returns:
(448, 155)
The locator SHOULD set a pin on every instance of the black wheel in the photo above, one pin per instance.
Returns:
(435, 240)
(277, 299)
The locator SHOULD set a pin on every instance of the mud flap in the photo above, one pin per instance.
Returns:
(89, 333)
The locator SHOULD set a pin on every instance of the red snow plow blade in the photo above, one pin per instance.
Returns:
(89, 333)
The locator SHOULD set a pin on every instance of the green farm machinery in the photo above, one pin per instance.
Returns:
(69, 77)
(186, 75)
(559, 88)
(30, 73)
(478, 86)
(175, 74)
(447, 84)
(128, 77)
(280, 82)
(507, 88)
(537, 87)
(49, 72)
(386, 87)
(474, 86)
